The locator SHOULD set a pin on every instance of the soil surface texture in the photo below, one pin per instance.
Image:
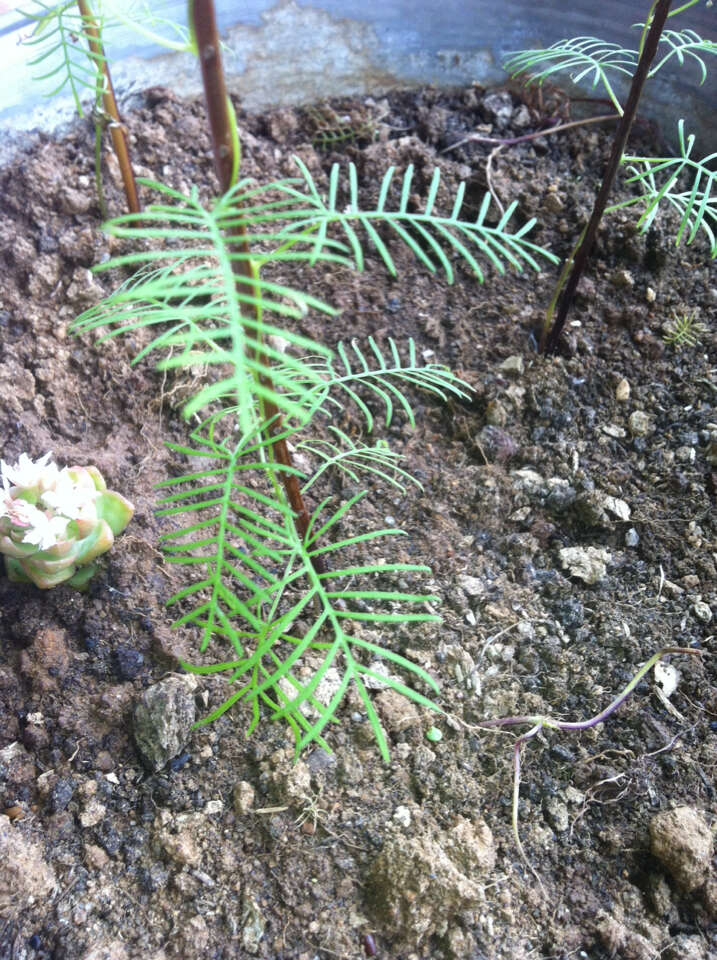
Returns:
(567, 511)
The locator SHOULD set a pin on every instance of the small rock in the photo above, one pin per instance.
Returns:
(25, 874)
(702, 611)
(93, 813)
(471, 586)
(513, 366)
(499, 106)
(182, 847)
(129, 662)
(213, 808)
(243, 797)
(682, 841)
(61, 795)
(617, 507)
(614, 430)
(639, 423)
(552, 203)
(588, 564)
(253, 924)
(496, 414)
(650, 295)
(396, 712)
(194, 936)
(75, 201)
(163, 717)
(557, 813)
(623, 279)
(419, 883)
(95, 857)
(402, 816)
(108, 950)
(632, 537)
(622, 391)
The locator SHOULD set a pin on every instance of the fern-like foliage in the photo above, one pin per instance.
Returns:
(684, 46)
(261, 592)
(593, 60)
(688, 186)
(433, 238)
(353, 457)
(59, 39)
(359, 376)
(198, 297)
(580, 58)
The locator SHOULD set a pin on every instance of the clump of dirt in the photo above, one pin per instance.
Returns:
(566, 510)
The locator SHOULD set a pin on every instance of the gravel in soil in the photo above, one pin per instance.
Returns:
(566, 510)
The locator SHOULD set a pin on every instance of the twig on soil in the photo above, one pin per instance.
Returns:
(502, 143)
(513, 141)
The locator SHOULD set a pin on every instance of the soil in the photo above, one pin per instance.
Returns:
(234, 851)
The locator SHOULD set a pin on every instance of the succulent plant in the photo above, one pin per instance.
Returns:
(54, 523)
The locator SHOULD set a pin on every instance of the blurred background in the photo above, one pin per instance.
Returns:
(296, 51)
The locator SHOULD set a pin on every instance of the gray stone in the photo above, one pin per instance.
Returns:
(702, 611)
(163, 717)
(588, 564)
(639, 423)
(513, 366)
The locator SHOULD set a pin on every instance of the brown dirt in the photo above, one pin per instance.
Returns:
(417, 854)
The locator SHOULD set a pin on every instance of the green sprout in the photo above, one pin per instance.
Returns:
(55, 523)
(684, 330)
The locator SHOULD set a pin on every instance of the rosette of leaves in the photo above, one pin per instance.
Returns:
(55, 523)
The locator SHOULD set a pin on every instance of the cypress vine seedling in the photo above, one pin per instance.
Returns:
(685, 184)
(282, 583)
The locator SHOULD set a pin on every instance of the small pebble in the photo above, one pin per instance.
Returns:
(639, 423)
(632, 537)
(622, 391)
(702, 611)
(513, 366)
(402, 816)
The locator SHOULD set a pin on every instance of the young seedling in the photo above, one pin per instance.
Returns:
(538, 723)
(684, 330)
(82, 70)
(289, 602)
(55, 523)
(587, 56)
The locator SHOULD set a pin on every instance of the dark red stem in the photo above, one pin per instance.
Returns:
(215, 92)
(549, 340)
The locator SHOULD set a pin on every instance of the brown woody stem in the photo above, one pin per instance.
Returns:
(215, 92)
(550, 337)
(117, 128)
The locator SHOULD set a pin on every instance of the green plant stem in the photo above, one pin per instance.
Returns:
(117, 129)
(226, 161)
(99, 126)
(549, 337)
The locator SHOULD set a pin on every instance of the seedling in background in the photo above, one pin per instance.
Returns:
(287, 600)
(587, 56)
(55, 523)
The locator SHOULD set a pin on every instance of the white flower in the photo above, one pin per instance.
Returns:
(26, 472)
(70, 498)
(46, 531)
